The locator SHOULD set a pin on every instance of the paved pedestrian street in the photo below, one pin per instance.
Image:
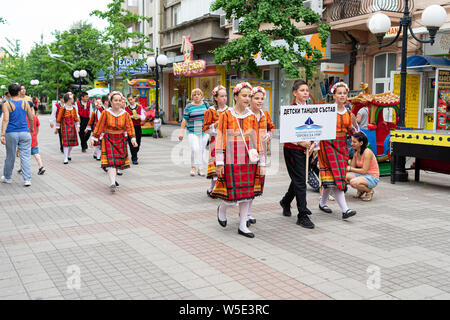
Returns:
(68, 237)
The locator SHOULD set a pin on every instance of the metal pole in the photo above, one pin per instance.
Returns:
(400, 172)
(157, 85)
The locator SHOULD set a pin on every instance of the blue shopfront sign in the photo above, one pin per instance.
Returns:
(127, 65)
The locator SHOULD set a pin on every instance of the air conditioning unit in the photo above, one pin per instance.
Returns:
(236, 25)
(314, 5)
(223, 21)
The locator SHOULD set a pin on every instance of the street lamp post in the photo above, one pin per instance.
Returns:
(34, 83)
(157, 63)
(433, 17)
(79, 75)
(3, 89)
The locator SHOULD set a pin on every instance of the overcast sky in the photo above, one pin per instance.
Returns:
(28, 19)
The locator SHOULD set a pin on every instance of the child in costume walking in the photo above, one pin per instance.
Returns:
(69, 124)
(237, 153)
(210, 123)
(93, 121)
(116, 126)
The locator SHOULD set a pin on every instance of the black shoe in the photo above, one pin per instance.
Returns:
(104, 169)
(248, 223)
(19, 171)
(325, 208)
(41, 171)
(286, 210)
(94, 157)
(305, 222)
(248, 235)
(252, 221)
(222, 223)
(70, 159)
(117, 184)
(347, 214)
(307, 211)
(119, 173)
(83, 150)
(98, 159)
(135, 162)
(66, 162)
(209, 193)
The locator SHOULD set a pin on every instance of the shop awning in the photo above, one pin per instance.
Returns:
(417, 61)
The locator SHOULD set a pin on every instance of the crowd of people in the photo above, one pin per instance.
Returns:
(238, 139)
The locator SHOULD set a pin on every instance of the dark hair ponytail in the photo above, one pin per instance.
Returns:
(361, 137)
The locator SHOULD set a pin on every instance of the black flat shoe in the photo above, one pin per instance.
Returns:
(252, 221)
(104, 169)
(70, 159)
(119, 173)
(66, 162)
(222, 223)
(286, 210)
(347, 214)
(94, 157)
(117, 184)
(325, 208)
(248, 235)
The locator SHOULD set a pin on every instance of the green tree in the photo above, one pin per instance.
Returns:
(120, 42)
(280, 15)
(14, 67)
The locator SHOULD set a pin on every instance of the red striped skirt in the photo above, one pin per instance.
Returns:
(238, 182)
(333, 161)
(69, 132)
(114, 151)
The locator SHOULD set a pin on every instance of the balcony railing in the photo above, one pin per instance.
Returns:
(344, 9)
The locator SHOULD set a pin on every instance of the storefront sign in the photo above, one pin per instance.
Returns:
(128, 65)
(313, 40)
(189, 66)
(392, 32)
(444, 79)
(308, 122)
(441, 45)
(332, 67)
(101, 84)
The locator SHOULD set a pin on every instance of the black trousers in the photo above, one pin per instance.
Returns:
(296, 166)
(84, 137)
(134, 151)
(60, 141)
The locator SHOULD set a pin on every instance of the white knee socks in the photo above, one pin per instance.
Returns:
(223, 210)
(325, 194)
(97, 152)
(66, 154)
(112, 175)
(249, 209)
(243, 213)
(212, 185)
(340, 199)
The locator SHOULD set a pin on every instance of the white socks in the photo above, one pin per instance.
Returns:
(339, 195)
(340, 199)
(97, 152)
(66, 154)
(223, 210)
(212, 185)
(243, 213)
(112, 176)
(249, 208)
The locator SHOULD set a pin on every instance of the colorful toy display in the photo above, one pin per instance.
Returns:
(143, 86)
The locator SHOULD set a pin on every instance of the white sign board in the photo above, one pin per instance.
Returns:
(308, 122)
(332, 67)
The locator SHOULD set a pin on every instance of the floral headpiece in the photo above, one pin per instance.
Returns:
(112, 94)
(339, 84)
(216, 89)
(241, 86)
(257, 89)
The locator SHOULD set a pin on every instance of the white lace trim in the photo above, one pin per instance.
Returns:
(121, 112)
(243, 116)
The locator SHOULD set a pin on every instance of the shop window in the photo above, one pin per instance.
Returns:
(383, 64)
(266, 74)
(176, 15)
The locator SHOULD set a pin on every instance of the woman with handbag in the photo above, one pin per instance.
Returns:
(265, 127)
(237, 148)
(210, 124)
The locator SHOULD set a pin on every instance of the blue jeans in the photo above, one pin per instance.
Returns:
(23, 141)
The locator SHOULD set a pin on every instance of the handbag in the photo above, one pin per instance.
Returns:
(252, 153)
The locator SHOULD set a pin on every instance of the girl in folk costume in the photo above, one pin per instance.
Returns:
(54, 115)
(69, 124)
(95, 118)
(333, 154)
(115, 125)
(237, 148)
(210, 124)
(265, 126)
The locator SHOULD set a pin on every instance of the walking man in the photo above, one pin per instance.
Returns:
(15, 133)
(137, 114)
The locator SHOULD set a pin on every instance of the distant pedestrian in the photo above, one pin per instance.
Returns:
(193, 119)
(363, 173)
(69, 123)
(95, 118)
(83, 107)
(137, 114)
(35, 145)
(16, 134)
(54, 115)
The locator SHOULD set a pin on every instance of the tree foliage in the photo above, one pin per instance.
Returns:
(280, 15)
(116, 36)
